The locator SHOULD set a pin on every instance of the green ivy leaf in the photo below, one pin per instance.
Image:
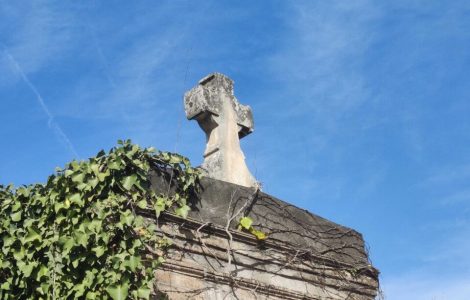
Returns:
(78, 178)
(259, 234)
(129, 181)
(246, 222)
(5, 286)
(26, 269)
(99, 250)
(115, 165)
(67, 244)
(133, 263)
(143, 293)
(159, 206)
(33, 235)
(183, 211)
(77, 199)
(81, 238)
(118, 292)
(58, 206)
(126, 218)
(91, 296)
(142, 204)
(15, 217)
(43, 270)
(19, 254)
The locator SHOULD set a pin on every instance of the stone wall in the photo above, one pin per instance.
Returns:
(304, 256)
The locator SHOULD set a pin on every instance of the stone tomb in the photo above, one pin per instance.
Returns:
(303, 257)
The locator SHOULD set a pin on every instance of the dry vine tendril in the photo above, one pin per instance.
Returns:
(78, 236)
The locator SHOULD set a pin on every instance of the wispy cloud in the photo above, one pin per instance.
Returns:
(448, 174)
(442, 271)
(138, 88)
(43, 31)
(53, 125)
(458, 197)
(321, 62)
(318, 68)
(448, 185)
(424, 287)
(443, 274)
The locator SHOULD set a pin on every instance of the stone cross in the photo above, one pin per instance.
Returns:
(225, 122)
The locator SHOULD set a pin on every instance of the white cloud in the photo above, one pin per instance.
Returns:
(42, 32)
(320, 62)
(444, 175)
(424, 287)
(440, 272)
(53, 125)
(320, 82)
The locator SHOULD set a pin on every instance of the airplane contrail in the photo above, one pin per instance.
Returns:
(51, 122)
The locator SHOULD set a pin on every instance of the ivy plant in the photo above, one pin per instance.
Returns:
(80, 235)
(246, 223)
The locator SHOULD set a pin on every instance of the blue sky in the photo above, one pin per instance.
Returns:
(361, 108)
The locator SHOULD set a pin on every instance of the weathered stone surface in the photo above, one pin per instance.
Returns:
(281, 220)
(304, 256)
(198, 267)
(224, 120)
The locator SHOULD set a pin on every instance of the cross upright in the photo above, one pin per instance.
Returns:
(225, 121)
